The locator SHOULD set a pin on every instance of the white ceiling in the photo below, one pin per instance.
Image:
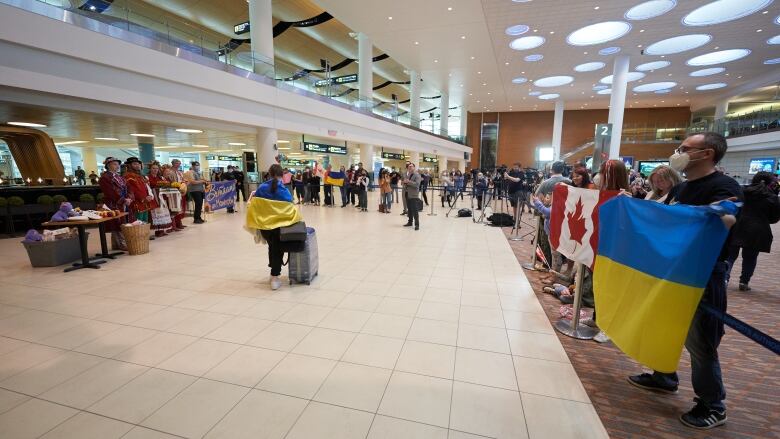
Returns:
(479, 68)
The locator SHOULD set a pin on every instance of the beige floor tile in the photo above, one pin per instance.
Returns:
(297, 375)
(199, 357)
(398, 307)
(280, 336)
(246, 366)
(156, 349)
(94, 384)
(260, 415)
(442, 296)
(9, 400)
(483, 338)
(116, 342)
(535, 345)
(524, 303)
(131, 313)
(453, 282)
(523, 321)
(487, 287)
(80, 334)
(473, 315)
(434, 331)
(417, 398)
(487, 411)
(427, 359)
(373, 350)
(453, 434)
(146, 433)
(345, 320)
(88, 426)
(354, 386)
(165, 318)
(481, 300)
(32, 419)
(549, 378)
(360, 302)
(9, 344)
(303, 314)
(44, 376)
(388, 326)
(328, 421)
(25, 357)
(325, 298)
(412, 280)
(239, 330)
(142, 396)
(542, 417)
(373, 288)
(233, 305)
(485, 368)
(325, 343)
(200, 324)
(268, 309)
(387, 428)
(439, 311)
(195, 410)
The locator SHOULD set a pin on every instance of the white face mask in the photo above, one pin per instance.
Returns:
(679, 162)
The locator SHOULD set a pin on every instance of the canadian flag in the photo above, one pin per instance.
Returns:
(574, 221)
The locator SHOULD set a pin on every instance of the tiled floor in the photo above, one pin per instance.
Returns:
(404, 334)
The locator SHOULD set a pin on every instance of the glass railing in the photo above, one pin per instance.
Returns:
(653, 133)
(742, 125)
(136, 17)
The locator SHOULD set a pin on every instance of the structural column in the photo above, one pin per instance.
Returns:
(365, 71)
(261, 25)
(445, 114)
(442, 164)
(145, 151)
(89, 160)
(204, 165)
(414, 157)
(617, 103)
(721, 109)
(463, 121)
(367, 156)
(462, 165)
(265, 149)
(557, 129)
(414, 99)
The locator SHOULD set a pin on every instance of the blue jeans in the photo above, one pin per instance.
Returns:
(344, 195)
(702, 343)
(387, 200)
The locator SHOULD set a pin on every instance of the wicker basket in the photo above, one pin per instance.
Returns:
(137, 238)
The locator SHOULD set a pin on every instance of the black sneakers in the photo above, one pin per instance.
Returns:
(744, 287)
(646, 381)
(702, 417)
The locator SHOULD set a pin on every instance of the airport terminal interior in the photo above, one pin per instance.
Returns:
(338, 219)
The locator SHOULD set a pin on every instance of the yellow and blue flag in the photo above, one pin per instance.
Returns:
(267, 214)
(651, 269)
(335, 178)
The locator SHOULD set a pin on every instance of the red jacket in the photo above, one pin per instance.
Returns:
(138, 190)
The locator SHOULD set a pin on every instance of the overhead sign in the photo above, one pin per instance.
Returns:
(228, 158)
(326, 149)
(295, 162)
(346, 79)
(601, 142)
(392, 156)
(430, 159)
(241, 28)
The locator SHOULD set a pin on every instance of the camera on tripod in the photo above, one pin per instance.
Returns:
(500, 174)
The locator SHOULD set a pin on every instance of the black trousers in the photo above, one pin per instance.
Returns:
(328, 195)
(424, 193)
(275, 253)
(240, 192)
(197, 198)
(411, 212)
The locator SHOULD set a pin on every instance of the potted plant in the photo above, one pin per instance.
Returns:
(59, 199)
(86, 202)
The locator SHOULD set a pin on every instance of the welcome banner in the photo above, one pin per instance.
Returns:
(221, 195)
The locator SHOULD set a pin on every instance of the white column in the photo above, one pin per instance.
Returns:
(265, 149)
(617, 103)
(367, 156)
(557, 129)
(462, 165)
(261, 25)
(414, 103)
(365, 70)
(414, 157)
(442, 164)
(721, 109)
(445, 114)
(89, 160)
(204, 165)
(464, 115)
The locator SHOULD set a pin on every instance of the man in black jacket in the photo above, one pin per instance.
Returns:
(239, 177)
(230, 175)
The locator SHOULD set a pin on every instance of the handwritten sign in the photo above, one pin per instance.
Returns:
(221, 195)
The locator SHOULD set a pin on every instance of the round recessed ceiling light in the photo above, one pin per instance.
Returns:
(772, 61)
(713, 86)
(708, 72)
(630, 77)
(520, 80)
(526, 43)
(721, 11)
(533, 58)
(774, 40)
(534, 93)
(662, 92)
(517, 29)
(654, 65)
(609, 50)
(547, 97)
(606, 91)
(654, 86)
(28, 124)
(678, 44)
(589, 66)
(719, 57)
(553, 81)
(598, 33)
(600, 87)
(777, 19)
(650, 9)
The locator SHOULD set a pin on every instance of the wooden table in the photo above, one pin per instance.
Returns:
(86, 261)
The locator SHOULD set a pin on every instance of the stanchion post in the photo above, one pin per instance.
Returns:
(531, 266)
(574, 329)
(516, 228)
(433, 198)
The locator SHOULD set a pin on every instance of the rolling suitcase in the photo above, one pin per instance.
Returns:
(303, 266)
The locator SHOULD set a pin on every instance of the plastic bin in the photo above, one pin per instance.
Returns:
(54, 253)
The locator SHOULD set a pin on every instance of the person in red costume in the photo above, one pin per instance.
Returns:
(138, 189)
(115, 197)
(160, 224)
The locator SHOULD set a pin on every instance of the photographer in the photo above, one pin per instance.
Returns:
(515, 183)
(480, 187)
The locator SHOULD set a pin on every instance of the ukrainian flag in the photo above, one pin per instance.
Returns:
(652, 265)
(335, 178)
(266, 214)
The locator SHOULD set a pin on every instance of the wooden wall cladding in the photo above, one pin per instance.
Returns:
(34, 153)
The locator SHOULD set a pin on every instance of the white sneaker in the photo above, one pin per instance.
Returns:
(276, 283)
(601, 337)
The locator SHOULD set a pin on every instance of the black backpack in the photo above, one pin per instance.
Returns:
(464, 213)
(501, 220)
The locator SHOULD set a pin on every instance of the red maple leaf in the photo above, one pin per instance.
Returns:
(576, 223)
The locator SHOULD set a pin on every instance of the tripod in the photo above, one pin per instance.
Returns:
(454, 201)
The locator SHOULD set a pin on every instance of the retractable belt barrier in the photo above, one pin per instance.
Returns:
(743, 328)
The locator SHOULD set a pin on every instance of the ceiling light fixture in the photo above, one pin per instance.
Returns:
(650, 9)
(598, 33)
(462, 37)
(606, 91)
(534, 93)
(517, 29)
(188, 130)
(721, 11)
(772, 61)
(609, 50)
(389, 18)
(599, 87)
(27, 124)
(713, 86)
(678, 44)
(72, 142)
(526, 43)
(236, 144)
(654, 65)
(774, 40)
(106, 138)
(141, 135)
(533, 58)
(553, 81)
(549, 96)
(519, 80)
(719, 57)
(630, 77)
(589, 66)
(200, 146)
(654, 86)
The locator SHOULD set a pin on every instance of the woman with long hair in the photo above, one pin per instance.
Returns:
(614, 176)
(581, 178)
(662, 180)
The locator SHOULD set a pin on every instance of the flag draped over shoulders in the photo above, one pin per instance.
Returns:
(270, 210)
(653, 264)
